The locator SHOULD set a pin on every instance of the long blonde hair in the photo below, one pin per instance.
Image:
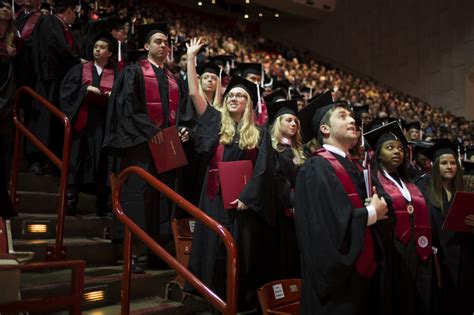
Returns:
(249, 133)
(216, 102)
(10, 30)
(296, 142)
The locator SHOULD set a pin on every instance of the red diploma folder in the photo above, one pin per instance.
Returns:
(169, 154)
(233, 178)
(462, 205)
(97, 99)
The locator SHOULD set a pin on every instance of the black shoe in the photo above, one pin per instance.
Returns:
(36, 169)
(136, 268)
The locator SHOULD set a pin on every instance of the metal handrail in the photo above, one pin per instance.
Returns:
(63, 164)
(73, 300)
(230, 306)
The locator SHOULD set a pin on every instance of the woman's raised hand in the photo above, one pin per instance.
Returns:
(194, 46)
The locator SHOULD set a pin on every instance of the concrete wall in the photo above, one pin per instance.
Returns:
(422, 47)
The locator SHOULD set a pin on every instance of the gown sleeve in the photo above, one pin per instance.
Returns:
(127, 121)
(330, 231)
(207, 130)
(72, 92)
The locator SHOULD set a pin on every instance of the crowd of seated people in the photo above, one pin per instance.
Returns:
(125, 74)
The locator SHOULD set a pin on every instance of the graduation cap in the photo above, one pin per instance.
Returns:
(468, 166)
(250, 68)
(359, 110)
(377, 122)
(221, 60)
(413, 125)
(146, 31)
(275, 109)
(294, 94)
(45, 6)
(105, 36)
(249, 86)
(209, 67)
(61, 4)
(443, 146)
(469, 152)
(277, 95)
(391, 131)
(309, 115)
(116, 23)
(285, 84)
(420, 145)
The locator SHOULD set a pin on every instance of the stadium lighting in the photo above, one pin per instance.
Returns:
(277, 15)
(260, 14)
(246, 16)
(199, 3)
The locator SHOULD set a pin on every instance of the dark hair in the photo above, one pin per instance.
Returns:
(435, 185)
(62, 9)
(402, 169)
(326, 118)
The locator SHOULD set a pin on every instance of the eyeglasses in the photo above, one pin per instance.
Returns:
(236, 95)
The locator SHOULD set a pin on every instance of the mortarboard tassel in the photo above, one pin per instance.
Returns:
(227, 67)
(259, 103)
(119, 51)
(459, 154)
(13, 10)
(172, 52)
(262, 76)
(220, 75)
(310, 92)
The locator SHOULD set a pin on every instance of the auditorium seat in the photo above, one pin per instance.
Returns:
(280, 297)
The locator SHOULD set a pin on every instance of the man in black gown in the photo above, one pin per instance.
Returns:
(332, 224)
(145, 99)
(55, 51)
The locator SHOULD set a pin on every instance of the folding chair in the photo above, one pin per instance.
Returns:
(183, 230)
(280, 297)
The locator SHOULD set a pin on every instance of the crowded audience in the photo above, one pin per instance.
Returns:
(128, 75)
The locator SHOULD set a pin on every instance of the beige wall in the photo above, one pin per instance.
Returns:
(422, 47)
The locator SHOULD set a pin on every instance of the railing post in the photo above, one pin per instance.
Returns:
(127, 270)
(15, 166)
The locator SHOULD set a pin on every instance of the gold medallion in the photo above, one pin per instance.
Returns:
(410, 209)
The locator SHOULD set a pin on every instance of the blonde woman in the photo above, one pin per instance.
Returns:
(207, 89)
(228, 134)
(271, 191)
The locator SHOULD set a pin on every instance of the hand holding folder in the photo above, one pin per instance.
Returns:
(460, 213)
(168, 154)
(233, 177)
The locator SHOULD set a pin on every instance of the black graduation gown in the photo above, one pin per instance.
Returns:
(330, 235)
(412, 288)
(7, 93)
(208, 255)
(270, 194)
(52, 59)
(86, 147)
(456, 257)
(128, 130)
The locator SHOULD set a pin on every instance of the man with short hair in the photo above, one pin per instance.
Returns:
(334, 227)
(55, 51)
(145, 99)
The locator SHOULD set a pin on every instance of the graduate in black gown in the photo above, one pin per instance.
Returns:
(334, 228)
(411, 260)
(203, 91)
(455, 249)
(223, 136)
(271, 191)
(84, 98)
(145, 98)
(7, 93)
(55, 52)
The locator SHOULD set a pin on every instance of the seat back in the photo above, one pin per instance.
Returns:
(3, 237)
(10, 280)
(183, 230)
(280, 297)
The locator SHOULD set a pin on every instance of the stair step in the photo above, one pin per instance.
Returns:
(45, 202)
(148, 306)
(25, 225)
(95, 251)
(32, 182)
(104, 282)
